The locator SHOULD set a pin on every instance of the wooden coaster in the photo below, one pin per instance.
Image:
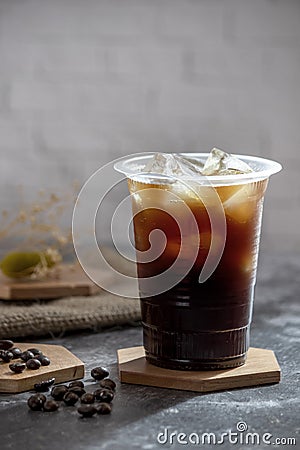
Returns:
(71, 282)
(260, 368)
(64, 366)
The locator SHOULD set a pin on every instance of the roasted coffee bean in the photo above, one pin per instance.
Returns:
(97, 393)
(104, 395)
(77, 390)
(76, 383)
(50, 406)
(44, 360)
(87, 410)
(35, 351)
(5, 344)
(98, 373)
(108, 384)
(36, 402)
(17, 352)
(25, 356)
(33, 364)
(87, 398)
(70, 398)
(17, 367)
(44, 386)
(103, 408)
(6, 356)
(58, 392)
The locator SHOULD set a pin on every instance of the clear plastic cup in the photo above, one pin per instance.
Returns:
(197, 243)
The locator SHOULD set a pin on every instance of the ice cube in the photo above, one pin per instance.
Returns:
(173, 164)
(242, 204)
(162, 163)
(222, 163)
(186, 248)
(189, 166)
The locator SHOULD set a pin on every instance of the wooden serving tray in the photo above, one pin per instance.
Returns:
(71, 282)
(261, 367)
(64, 366)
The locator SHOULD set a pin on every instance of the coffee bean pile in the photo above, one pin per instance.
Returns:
(90, 403)
(32, 358)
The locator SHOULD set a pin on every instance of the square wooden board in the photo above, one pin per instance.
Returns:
(64, 366)
(71, 282)
(261, 367)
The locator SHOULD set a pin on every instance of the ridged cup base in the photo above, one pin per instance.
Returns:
(196, 365)
(211, 350)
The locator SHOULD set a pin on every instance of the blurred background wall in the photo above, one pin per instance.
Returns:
(85, 81)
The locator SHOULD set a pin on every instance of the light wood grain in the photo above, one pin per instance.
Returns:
(261, 367)
(64, 367)
(71, 282)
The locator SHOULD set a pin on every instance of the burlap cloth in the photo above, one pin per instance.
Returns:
(55, 317)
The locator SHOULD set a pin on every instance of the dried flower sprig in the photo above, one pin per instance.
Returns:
(38, 235)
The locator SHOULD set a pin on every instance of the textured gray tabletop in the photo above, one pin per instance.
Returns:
(141, 413)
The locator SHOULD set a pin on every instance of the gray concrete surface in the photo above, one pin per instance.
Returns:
(141, 413)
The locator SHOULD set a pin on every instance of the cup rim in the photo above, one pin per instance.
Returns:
(131, 166)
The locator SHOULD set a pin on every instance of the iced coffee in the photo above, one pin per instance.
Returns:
(191, 323)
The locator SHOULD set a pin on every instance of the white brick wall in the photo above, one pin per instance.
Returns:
(85, 81)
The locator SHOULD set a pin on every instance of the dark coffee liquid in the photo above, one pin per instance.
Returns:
(199, 325)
